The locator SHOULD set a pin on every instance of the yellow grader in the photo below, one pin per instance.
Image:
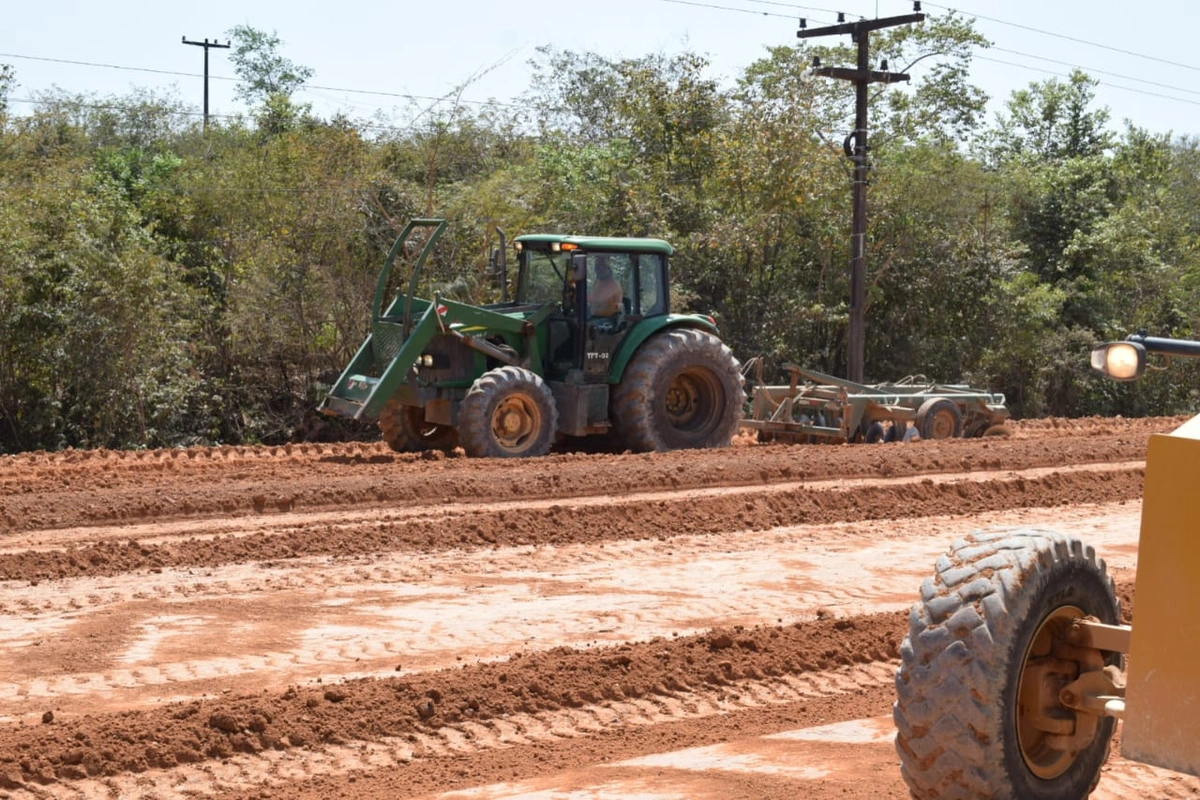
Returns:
(1012, 675)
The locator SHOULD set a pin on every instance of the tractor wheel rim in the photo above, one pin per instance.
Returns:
(688, 399)
(515, 422)
(1036, 744)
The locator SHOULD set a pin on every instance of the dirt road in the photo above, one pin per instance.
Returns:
(323, 621)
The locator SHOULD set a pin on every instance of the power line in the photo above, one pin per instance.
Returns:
(400, 95)
(998, 49)
(1093, 71)
(183, 113)
(1102, 83)
(729, 8)
(1065, 37)
(793, 5)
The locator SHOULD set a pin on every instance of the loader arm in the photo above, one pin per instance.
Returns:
(384, 365)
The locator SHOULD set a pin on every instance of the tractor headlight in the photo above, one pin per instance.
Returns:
(426, 360)
(1121, 361)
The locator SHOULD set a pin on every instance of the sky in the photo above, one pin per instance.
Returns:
(393, 60)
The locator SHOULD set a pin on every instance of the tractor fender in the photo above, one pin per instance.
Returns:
(650, 327)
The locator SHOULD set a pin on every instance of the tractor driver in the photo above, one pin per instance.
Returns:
(604, 299)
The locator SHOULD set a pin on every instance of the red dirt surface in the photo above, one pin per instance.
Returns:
(323, 621)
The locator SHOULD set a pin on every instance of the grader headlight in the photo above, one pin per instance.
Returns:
(1121, 361)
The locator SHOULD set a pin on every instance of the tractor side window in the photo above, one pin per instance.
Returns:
(610, 279)
(650, 295)
(545, 278)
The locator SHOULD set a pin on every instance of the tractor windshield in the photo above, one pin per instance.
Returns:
(544, 276)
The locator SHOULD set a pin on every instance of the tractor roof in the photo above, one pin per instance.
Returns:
(599, 243)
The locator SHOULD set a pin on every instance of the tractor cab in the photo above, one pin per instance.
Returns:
(602, 289)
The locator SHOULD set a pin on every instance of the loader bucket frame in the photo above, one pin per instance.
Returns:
(384, 342)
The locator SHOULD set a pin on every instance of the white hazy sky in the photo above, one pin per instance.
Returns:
(1145, 55)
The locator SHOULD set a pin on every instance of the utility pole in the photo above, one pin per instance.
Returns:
(206, 44)
(856, 150)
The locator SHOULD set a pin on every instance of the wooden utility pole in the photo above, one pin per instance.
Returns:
(206, 44)
(856, 149)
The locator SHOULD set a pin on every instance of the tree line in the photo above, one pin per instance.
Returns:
(163, 286)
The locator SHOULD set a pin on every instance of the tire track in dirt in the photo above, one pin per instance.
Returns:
(165, 533)
(369, 616)
(242, 773)
(568, 521)
(77, 747)
(543, 616)
(42, 491)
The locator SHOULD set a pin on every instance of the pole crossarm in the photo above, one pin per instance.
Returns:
(865, 76)
(861, 27)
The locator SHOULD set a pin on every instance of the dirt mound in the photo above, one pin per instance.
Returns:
(370, 709)
(325, 620)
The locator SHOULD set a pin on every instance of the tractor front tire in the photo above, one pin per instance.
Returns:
(406, 431)
(509, 412)
(682, 389)
(983, 630)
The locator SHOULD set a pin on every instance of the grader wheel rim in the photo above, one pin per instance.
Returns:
(942, 424)
(515, 421)
(1042, 759)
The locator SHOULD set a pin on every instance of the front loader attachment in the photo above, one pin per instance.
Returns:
(391, 349)
(421, 351)
(380, 366)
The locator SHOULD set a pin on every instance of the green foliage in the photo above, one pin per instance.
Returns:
(267, 77)
(1051, 121)
(8, 79)
(160, 285)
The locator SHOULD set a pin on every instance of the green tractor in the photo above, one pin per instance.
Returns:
(587, 345)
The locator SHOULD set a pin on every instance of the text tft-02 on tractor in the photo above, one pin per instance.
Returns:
(587, 345)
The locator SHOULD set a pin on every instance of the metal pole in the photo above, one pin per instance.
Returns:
(862, 77)
(206, 44)
(206, 85)
(856, 344)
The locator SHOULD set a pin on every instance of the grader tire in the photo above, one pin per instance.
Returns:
(406, 431)
(939, 418)
(982, 622)
(509, 412)
(682, 389)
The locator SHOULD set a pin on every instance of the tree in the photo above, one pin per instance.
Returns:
(268, 78)
(1051, 121)
(8, 79)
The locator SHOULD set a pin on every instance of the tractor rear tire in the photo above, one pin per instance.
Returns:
(960, 730)
(939, 418)
(509, 412)
(406, 431)
(682, 389)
